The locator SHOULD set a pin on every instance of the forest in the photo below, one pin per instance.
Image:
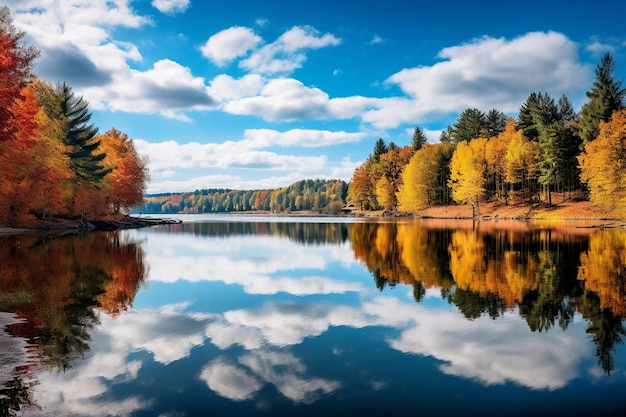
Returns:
(490, 157)
(320, 196)
(53, 162)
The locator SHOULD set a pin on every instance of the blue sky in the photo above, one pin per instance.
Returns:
(250, 94)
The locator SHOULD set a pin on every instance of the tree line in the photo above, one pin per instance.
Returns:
(53, 162)
(320, 196)
(489, 157)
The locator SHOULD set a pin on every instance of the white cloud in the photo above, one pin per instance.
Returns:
(597, 47)
(220, 156)
(286, 53)
(170, 6)
(376, 40)
(307, 138)
(283, 99)
(229, 44)
(77, 47)
(224, 87)
(485, 73)
(168, 89)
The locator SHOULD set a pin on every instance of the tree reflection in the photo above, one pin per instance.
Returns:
(66, 281)
(603, 303)
(314, 233)
(548, 273)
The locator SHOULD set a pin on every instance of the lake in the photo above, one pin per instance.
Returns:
(315, 316)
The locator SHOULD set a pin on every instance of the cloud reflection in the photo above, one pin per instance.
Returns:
(260, 265)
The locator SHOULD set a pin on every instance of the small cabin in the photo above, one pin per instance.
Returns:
(348, 209)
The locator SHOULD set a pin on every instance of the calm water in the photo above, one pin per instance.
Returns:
(245, 315)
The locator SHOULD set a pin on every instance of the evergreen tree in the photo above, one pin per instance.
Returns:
(446, 135)
(379, 148)
(469, 126)
(558, 147)
(419, 140)
(566, 111)
(606, 97)
(85, 160)
(538, 112)
(495, 123)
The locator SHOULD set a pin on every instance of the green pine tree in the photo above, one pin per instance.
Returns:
(606, 97)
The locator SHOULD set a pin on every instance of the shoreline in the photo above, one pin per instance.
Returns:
(563, 211)
(59, 226)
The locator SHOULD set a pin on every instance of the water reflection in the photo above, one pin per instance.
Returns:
(548, 273)
(269, 317)
(57, 285)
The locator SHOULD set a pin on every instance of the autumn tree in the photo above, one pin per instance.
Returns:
(521, 164)
(425, 178)
(495, 158)
(603, 165)
(388, 174)
(605, 97)
(467, 173)
(16, 161)
(129, 172)
(16, 63)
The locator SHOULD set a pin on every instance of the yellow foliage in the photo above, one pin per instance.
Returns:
(603, 165)
(417, 180)
(521, 160)
(467, 170)
(603, 268)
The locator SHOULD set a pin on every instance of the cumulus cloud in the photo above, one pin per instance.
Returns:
(485, 73)
(77, 46)
(170, 6)
(220, 156)
(168, 89)
(307, 138)
(229, 44)
(283, 99)
(287, 52)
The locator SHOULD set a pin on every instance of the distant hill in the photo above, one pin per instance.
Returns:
(321, 196)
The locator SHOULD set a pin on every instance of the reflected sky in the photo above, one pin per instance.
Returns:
(269, 324)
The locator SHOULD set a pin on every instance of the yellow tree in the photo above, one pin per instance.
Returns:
(603, 165)
(419, 180)
(467, 173)
(388, 175)
(521, 168)
(495, 156)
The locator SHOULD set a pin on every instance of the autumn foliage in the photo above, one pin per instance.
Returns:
(43, 167)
